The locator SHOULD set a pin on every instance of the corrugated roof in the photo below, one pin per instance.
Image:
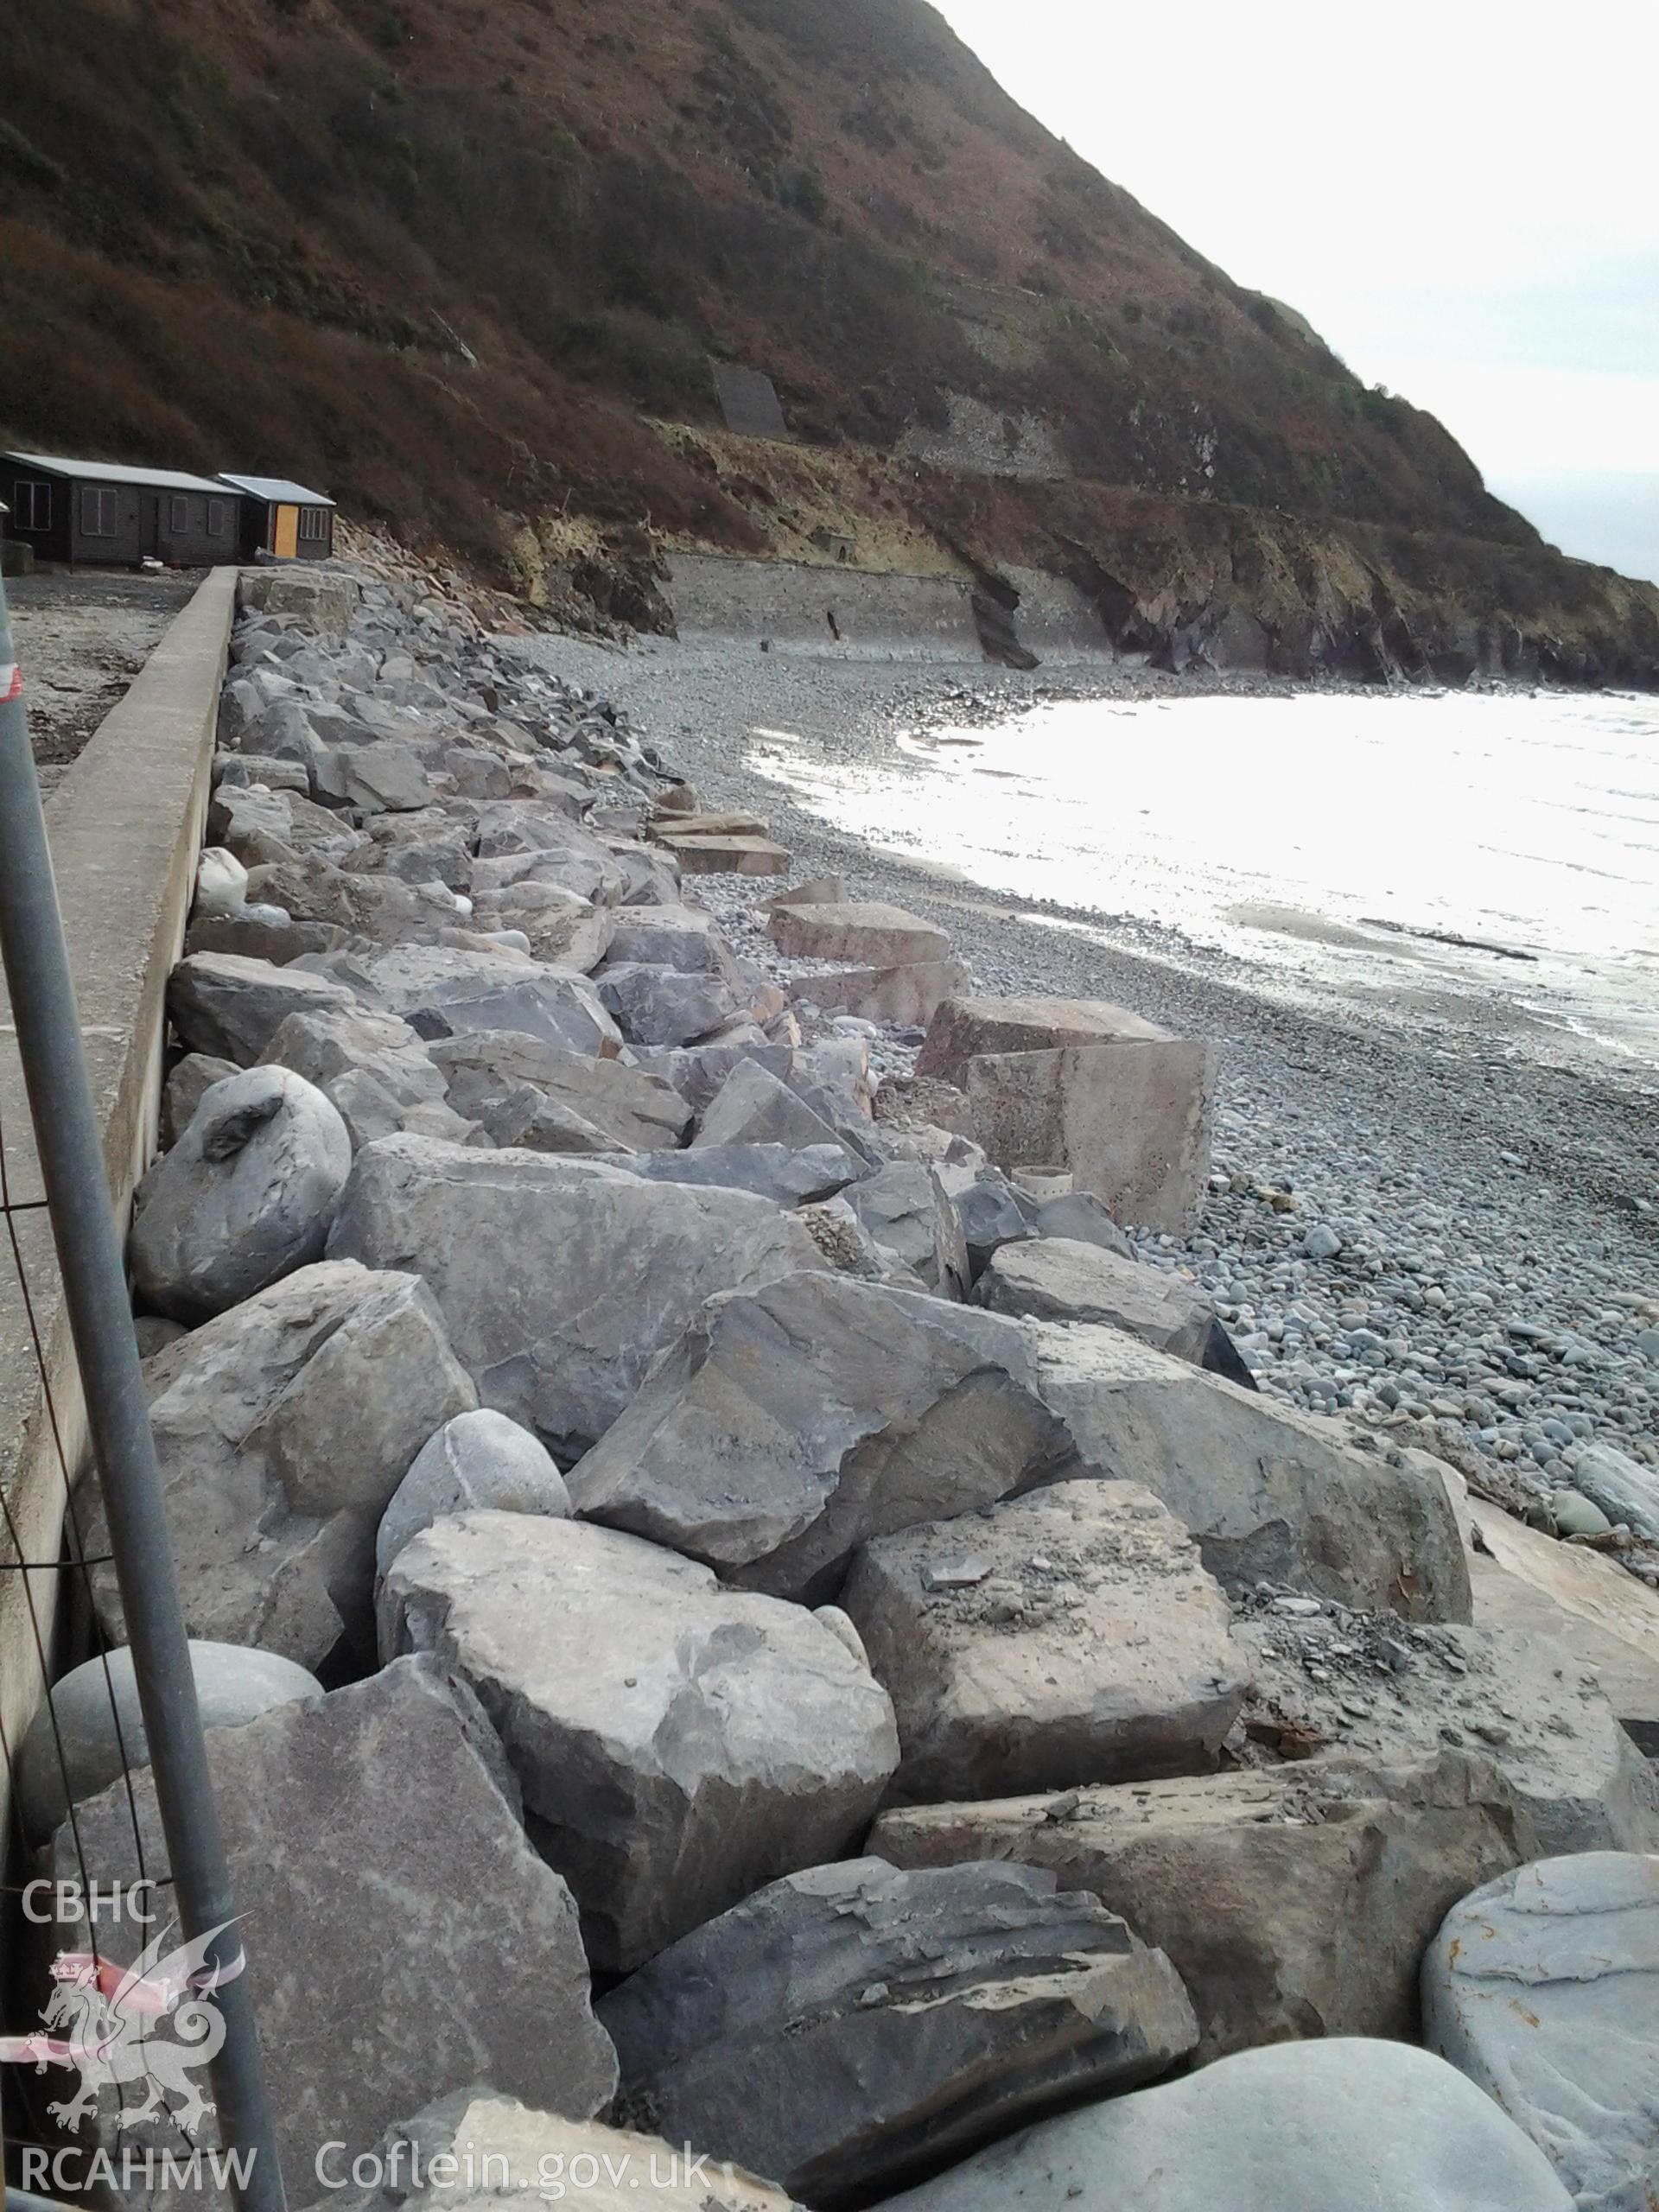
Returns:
(113, 472)
(277, 489)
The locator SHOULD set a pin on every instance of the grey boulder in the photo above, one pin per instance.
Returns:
(852, 2025)
(792, 1422)
(1055, 1278)
(1623, 1489)
(559, 1282)
(402, 1933)
(677, 1744)
(630, 1110)
(372, 1068)
(1346, 2125)
(754, 1106)
(245, 1195)
(906, 1208)
(93, 1726)
(282, 1429)
(231, 1006)
(665, 1006)
(771, 1171)
(1067, 1637)
(188, 1082)
(1543, 1988)
(478, 1460)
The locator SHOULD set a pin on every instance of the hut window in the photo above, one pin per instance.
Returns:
(32, 504)
(178, 514)
(312, 522)
(100, 512)
(217, 525)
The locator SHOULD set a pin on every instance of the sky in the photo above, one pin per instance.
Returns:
(1460, 197)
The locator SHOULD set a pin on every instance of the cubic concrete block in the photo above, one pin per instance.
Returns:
(965, 1028)
(909, 993)
(872, 935)
(729, 855)
(1131, 1121)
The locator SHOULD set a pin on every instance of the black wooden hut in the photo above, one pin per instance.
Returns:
(104, 514)
(283, 521)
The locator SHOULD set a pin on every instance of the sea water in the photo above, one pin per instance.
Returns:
(1339, 842)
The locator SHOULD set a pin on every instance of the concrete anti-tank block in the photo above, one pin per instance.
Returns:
(1131, 1121)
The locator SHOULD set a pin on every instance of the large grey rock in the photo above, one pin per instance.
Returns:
(264, 827)
(1268, 1493)
(906, 1208)
(1543, 1988)
(562, 929)
(1297, 1899)
(1580, 1781)
(754, 1106)
(844, 1410)
(1347, 2125)
(559, 1282)
(188, 1082)
(231, 1006)
(282, 1429)
(527, 1120)
(988, 1209)
(866, 935)
(677, 1744)
(663, 1006)
(245, 1195)
(1067, 1637)
(402, 1933)
(373, 1068)
(1053, 1279)
(852, 2025)
(505, 2155)
(1622, 1489)
(446, 992)
(479, 1459)
(792, 1422)
(1079, 1217)
(376, 779)
(634, 1110)
(771, 1171)
(379, 907)
(93, 1726)
(684, 938)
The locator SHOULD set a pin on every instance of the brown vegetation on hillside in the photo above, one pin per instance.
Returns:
(448, 256)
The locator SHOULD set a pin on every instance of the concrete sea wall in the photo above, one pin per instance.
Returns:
(832, 611)
(126, 828)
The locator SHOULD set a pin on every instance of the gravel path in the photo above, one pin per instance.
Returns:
(80, 640)
(1496, 1219)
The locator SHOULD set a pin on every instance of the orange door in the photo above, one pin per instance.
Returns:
(285, 538)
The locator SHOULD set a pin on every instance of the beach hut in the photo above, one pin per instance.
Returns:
(105, 514)
(283, 521)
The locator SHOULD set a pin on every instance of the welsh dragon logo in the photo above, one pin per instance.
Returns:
(101, 2020)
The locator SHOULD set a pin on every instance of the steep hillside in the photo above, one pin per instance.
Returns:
(459, 261)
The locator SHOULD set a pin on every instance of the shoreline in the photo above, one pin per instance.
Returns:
(1521, 1190)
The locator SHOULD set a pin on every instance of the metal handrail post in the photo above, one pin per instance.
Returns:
(89, 1249)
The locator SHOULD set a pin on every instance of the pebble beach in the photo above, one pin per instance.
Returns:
(1433, 1225)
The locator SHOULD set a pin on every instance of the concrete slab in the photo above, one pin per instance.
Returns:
(733, 855)
(873, 935)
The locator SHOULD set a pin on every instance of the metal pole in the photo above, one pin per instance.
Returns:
(100, 1317)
